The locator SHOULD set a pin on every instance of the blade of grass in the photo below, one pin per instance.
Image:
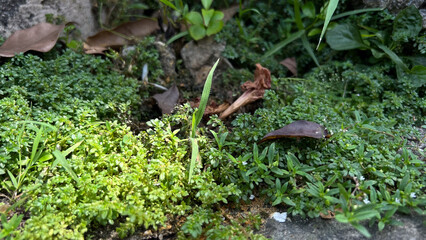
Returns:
(358, 11)
(194, 155)
(284, 43)
(332, 5)
(61, 159)
(177, 36)
(204, 97)
(197, 116)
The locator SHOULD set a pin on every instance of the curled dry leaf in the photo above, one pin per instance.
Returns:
(120, 35)
(291, 64)
(167, 100)
(252, 90)
(41, 37)
(298, 129)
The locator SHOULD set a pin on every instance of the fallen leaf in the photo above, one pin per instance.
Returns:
(329, 215)
(291, 64)
(298, 129)
(167, 100)
(120, 35)
(41, 37)
(252, 90)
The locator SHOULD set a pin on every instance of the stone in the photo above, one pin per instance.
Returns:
(395, 6)
(200, 56)
(168, 60)
(297, 228)
(21, 14)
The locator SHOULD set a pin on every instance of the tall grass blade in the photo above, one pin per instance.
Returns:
(332, 5)
(309, 49)
(61, 159)
(194, 155)
(205, 96)
(284, 43)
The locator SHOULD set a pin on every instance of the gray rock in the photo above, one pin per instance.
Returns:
(168, 60)
(397, 5)
(20, 14)
(296, 228)
(393, 5)
(200, 56)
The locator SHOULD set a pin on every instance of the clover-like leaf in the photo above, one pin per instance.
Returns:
(194, 18)
(197, 32)
(214, 27)
(207, 15)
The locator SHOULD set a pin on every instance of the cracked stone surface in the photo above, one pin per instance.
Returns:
(21, 14)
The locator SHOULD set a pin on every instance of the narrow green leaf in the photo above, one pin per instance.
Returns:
(36, 143)
(392, 56)
(13, 179)
(308, 48)
(251, 170)
(61, 159)
(342, 218)
(354, 12)
(169, 4)
(289, 202)
(205, 95)
(332, 5)
(361, 229)
(194, 155)
(284, 43)
(177, 36)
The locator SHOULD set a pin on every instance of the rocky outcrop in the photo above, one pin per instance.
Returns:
(20, 14)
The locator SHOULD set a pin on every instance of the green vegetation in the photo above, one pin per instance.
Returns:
(71, 163)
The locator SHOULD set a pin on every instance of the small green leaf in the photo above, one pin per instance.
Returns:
(197, 32)
(332, 5)
(344, 37)
(206, 3)
(207, 15)
(195, 18)
(361, 229)
(342, 218)
(169, 4)
(214, 27)
(309, 9)
(13, 179)
(218, 15)
(289, 202)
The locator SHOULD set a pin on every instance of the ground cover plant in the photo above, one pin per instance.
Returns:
(72, 161)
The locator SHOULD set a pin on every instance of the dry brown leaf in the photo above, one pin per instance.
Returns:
(41, 37)
(120, 35)
(167, 100)
(298, 129)
(291, 64)
(252, 90)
